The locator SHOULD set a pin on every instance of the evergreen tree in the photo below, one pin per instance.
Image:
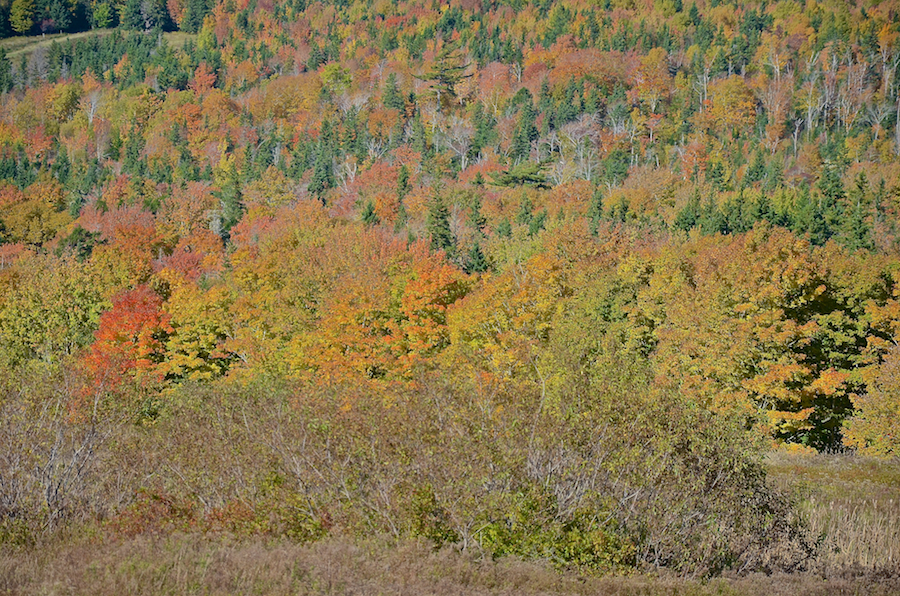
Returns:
(831, 185)
(369, 217)
(524, 216)
(133, 163)
(476, 218)
(711, 219)
(194, 13)
(595, 211)
(537, 223)
(231, 204)
(6, 76)
(448, 71)
(757, 170)
(831, 201)
(504, 229)
(484, 129)
(102, 16)
(526, 131)
(323, 167)
(715, 175)
(545, 98)
(619, 211)
(392, 97)
(476, 262)
(689, 216)
(419, 139)
(323, 174)
(62, 166)
(438, 226)
(403, 185)
(59, 15)
(694, 14)
(130, 16)
(616, 167)
(856, 233)
(402, 218)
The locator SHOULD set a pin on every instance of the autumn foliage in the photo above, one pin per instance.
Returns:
(433, 230)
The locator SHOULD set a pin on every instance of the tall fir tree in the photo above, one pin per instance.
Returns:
(438, 225)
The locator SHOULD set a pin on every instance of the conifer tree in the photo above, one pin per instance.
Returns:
(369, 217)
(476, 218)
(438, 225)
(446, 73)
(392, 97)
(476, 262)
(6, 76)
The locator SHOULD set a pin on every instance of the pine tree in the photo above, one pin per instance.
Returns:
(537, 223)
(59, 14)
(102, 16)
(62, 165)
(448, 71)
(6, 76)
(476, 262)
(618, 212)
(688, 217)
(130, 17)
(711, 219)
(323, 175)
(402, 218)
(438, 225)
(369, 217)
(476, 218)
(526, 208)
(403, 186)
(856, 233)
(525, 132)
(757, 170)
(715, 175)
(392, 98)
(595, 211)
(194, 13)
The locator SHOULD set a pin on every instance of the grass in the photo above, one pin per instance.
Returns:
(210, 564)
(18, 46)
(852, 504)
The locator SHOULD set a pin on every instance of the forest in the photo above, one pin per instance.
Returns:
(605, 287)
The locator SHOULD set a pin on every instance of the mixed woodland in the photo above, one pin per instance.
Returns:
(527, 277)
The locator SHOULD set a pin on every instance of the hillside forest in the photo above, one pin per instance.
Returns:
(531, 277)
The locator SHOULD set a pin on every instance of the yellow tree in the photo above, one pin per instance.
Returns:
(651, 80)
(49, 307)
(502, 323)
(732, 106)
(199, 320)
(873, 429)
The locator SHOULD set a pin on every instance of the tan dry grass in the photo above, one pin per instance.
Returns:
(851, 503)
(214, 565)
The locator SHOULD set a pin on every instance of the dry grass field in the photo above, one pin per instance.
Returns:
(190, 564)
(851, 504)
